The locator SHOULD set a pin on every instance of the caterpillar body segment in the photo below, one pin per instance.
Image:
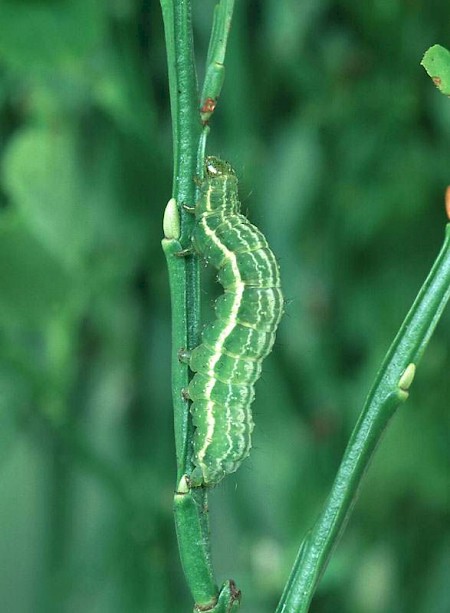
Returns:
(227, 363)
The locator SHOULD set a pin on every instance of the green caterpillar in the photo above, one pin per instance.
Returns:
(227, 363)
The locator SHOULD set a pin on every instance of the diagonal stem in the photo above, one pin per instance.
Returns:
(389, 391)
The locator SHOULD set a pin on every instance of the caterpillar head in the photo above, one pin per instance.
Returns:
(219, 189)
(216, 168)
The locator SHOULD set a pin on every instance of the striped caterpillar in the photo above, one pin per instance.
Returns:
(227, 363)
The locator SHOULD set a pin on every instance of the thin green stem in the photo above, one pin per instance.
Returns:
(388, 392)
(169, 35)
(183, 272)
(192, 530)
(189, 143)
(201, 152)
(215, 70)
(189, 506)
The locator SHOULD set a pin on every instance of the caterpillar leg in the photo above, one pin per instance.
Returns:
(184, 355)
(185, 252)
(196, 478)
(185, 393)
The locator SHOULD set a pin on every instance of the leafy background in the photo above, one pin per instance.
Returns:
(342, 145)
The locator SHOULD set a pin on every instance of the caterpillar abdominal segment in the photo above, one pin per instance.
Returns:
(227, 363)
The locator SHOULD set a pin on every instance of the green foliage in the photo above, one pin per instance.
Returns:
(40, 176)
(436, 62)
(342, 145)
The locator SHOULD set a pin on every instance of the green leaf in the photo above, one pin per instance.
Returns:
(39, 37)
(40, 175)
(436, 62)
(33, 286)
(14, 395)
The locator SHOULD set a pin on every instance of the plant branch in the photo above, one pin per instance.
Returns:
(189, 142)
(389, 391)
(183, 272)
(215, 69)
(192, 530)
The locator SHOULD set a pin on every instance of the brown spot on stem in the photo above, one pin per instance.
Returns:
(207, 109)
(437, 81)
(208, 106)
(447, 201)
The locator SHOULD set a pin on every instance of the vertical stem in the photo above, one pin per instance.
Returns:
(190, 505)
(215, 69)
(183, 272)
(188, 128)
(190, 508)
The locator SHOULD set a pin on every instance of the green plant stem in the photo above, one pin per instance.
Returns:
(192, 524)
(215, 69)
(191, 520)
(183, 102)
(189, 141)
(388, 392)
(192, 530)
(184, 276)
(167, 9)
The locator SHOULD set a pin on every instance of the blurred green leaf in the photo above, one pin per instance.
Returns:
(38, 37)
(33, 284)
(41, 176)
(14, 398)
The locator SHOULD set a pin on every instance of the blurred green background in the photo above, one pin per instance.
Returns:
(342, 145)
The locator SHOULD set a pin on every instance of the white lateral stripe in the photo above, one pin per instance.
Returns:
(238, 292)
